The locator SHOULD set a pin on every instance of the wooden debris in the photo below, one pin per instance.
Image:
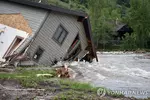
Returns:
(6, 70)
(63, 72)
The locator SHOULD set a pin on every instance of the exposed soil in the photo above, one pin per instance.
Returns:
(12, 90)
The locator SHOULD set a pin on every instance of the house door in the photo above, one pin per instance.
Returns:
(13, 45)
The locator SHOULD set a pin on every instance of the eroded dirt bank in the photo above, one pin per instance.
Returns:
(48, 90)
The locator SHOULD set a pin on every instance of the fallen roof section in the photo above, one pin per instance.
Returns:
(86, 22)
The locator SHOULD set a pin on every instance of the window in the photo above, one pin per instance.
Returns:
(38, 54)
(60, 35)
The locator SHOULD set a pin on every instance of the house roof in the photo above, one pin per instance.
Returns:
(86, 21)
(49, 7)
(118, 27)
(15, 21)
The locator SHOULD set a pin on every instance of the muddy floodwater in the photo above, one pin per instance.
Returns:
(126, 73)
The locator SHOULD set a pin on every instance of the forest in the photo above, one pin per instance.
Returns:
(112, 20)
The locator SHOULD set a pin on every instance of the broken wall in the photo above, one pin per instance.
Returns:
(44, 39)
(7, 38)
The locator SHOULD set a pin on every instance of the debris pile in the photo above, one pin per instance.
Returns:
(3, 64)
(63, 72)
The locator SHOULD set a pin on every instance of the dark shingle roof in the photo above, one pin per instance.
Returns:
(49, 7)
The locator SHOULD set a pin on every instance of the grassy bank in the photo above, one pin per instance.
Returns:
(61, 89)
(28, 78)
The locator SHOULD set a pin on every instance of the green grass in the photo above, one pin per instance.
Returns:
(78, 90)
(67, 89)
(71, 5)
(76, 85)
(59, 3)
(28, 78)
(75, 95)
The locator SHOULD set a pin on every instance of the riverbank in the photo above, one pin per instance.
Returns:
(123, 50)
(25, 84)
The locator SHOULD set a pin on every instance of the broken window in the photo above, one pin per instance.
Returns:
(38, 54)
(15, 43)
(60, 35)
(74, 49)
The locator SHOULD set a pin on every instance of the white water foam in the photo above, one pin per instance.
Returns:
(117, 70)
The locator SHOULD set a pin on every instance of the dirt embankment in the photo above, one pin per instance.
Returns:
(48, 90)
(24, 84)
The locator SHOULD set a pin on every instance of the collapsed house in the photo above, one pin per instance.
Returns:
(52, 33)
(13, 31)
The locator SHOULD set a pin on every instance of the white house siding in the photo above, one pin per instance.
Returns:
(44, 37)
(34, 16)
(7, 38)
